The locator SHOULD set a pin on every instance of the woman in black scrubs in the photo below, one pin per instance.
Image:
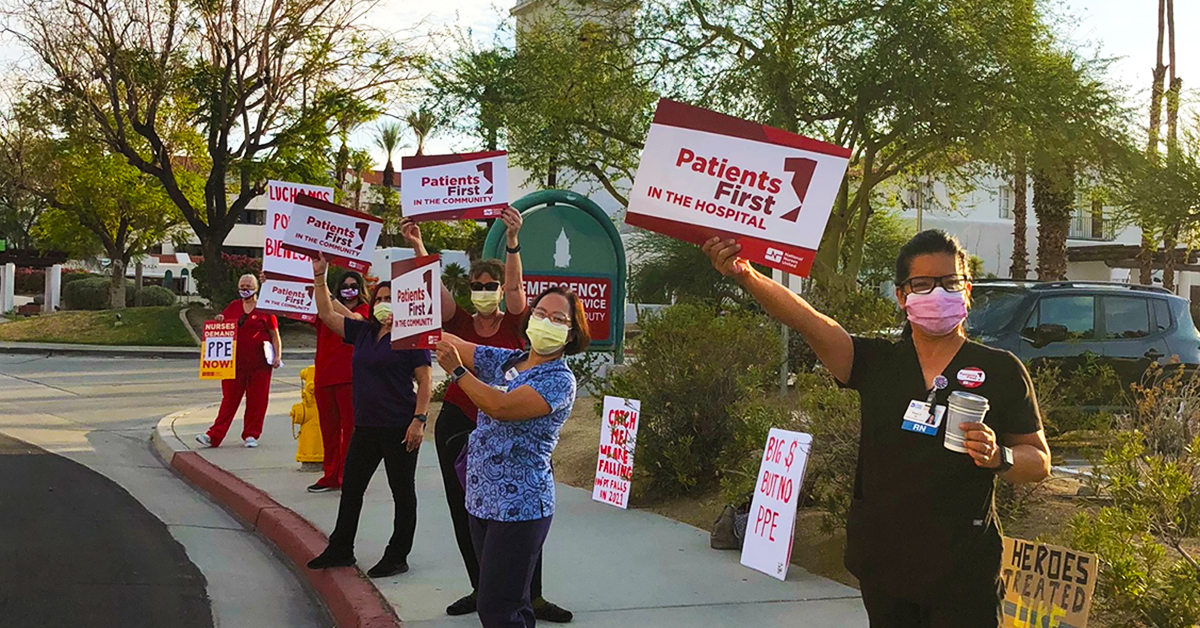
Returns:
(923, 537)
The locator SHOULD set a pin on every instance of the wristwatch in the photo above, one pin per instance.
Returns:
(421, 417)
(1006, 460)
(458, 373)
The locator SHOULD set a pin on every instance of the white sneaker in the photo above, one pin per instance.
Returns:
(251, 443)
(203, 439)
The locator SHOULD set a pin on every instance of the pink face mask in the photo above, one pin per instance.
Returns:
(937, 313)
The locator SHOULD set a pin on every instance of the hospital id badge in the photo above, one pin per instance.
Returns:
(920, 420)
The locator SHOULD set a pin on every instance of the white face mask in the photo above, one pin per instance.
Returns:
(486, 302)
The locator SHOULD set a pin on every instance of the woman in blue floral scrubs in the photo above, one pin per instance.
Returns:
(524, 397)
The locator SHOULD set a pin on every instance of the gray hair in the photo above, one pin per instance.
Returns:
(249, 276)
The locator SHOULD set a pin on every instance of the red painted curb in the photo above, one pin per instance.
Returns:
(352, 600)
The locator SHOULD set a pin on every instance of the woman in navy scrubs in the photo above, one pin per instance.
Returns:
(389, 424)
(922, 537)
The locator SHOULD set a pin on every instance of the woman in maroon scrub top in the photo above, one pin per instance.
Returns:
(253, 374)
(491, 283)
(332, 387)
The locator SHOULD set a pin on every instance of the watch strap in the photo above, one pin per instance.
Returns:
(513, 249)
(1006, 460)
(421, 417)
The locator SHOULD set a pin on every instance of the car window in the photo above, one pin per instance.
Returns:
(992, 309)
(1162, 314)
(1075, 314)
(1126, 317)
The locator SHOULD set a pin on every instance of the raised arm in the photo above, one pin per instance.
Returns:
(346, 312)
(466, 350)
(514, 284)
(334, 321)
(829, 341)
(412, 233)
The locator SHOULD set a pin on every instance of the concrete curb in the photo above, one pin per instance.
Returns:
(107, 351)
(350, 597)
(188, 326)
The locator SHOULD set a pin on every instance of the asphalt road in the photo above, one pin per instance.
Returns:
(121, 540)
(79, 550)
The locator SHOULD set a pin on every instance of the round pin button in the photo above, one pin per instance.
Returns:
(940, 382)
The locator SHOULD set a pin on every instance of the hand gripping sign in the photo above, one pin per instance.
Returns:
(346, 237)
(470, 186)
(217, 361)
(618, 438)
(285, 296)
(417, 303)
(281, 196)
(706, 174)
(768, 545)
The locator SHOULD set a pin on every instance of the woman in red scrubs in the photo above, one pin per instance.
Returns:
(333, 387)
(253, 374)
(491, 284)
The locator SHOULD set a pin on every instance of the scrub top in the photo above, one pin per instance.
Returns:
(332, 364)
(253, 329)
(384, 394)
(922, 519)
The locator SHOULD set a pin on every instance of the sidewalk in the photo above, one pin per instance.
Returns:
(611, 567)
(109, 351)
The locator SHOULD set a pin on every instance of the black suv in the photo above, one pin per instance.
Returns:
(1127, 326)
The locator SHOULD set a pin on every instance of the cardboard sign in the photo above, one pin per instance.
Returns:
(618, 438)
(706, 174)
(281, 196)
(1046, 586)
(346, 237)
(217, 359)
(594, 292)
(286, 297)
(768, 545)
(470, 186)
(417, 303)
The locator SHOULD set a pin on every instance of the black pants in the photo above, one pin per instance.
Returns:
(956, 611)
(450, 436)
(368, 446)
(508, 552)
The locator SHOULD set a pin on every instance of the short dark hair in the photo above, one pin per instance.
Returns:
(930, 242)
(492, 267)
(581, 334)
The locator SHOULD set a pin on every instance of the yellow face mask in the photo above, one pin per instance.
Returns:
(382, 311)
(486, 301)
(547, 337)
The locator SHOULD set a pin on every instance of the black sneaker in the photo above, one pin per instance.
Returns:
(329, 559)
(321, 488)
(549, 611)
(464, 606)
(387, 567)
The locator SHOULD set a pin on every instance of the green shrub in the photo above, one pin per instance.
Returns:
(862, 313)
(1070, 395)
(69, 276)
(152, 296)
(32, 281)
(691, 369)
(87, 294)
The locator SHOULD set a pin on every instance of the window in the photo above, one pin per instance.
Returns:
(1074, 315)
(1162, 315)
(1126, 317)
(1006, 201)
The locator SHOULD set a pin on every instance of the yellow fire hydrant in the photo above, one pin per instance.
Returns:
(309, 447)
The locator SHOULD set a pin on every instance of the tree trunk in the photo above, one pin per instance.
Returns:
(1020, 254)
(116, 290)
(340, 163)
(1146, 259)
(1146, 255)
(214, 268)
(825, 266)
(1170, 240)
(137, 285)
(1053, 201)
(389, 174)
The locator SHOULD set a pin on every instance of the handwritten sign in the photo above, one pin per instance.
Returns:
(706, 174)
(217, 360)
(286, 297)
(768, 545)
(470, 186)
(417, 303)
(281, 197)
(345, 236)
(618, 438)
(1046, 586)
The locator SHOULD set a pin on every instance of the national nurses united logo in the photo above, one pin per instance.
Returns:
(971, 377)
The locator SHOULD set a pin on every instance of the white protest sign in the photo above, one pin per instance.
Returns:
(346, 237)
(618, 438)
(280, 197)
(286, 297)
(768, 545)
(469, 186)
(706, 174)
(417, 303)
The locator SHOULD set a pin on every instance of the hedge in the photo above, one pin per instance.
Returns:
(92, 294)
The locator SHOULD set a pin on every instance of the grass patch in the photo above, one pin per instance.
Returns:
(145, 326)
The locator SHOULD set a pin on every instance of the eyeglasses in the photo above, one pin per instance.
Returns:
(925, 285)
(490, 286)
(542, 315)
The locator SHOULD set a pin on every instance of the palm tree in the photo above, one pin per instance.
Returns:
(388, 139)
(422, 122)
(456, 280)
(360, 162)
(1020, 254)
(1157, 89)
(1171, 232)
